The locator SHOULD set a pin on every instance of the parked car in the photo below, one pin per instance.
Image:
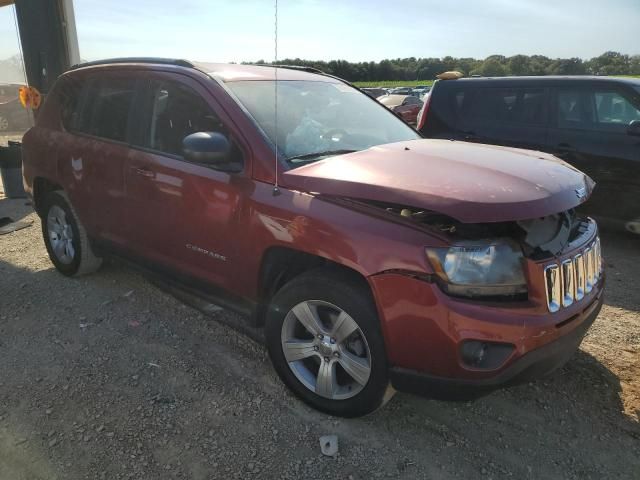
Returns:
(593, 123)
(401, 91)
(13, 116)
(406, 106)
(9, 91)
(374, 92)
(420, 92)
(371, 257)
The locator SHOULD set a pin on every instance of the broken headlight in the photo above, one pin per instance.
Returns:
(473, 270)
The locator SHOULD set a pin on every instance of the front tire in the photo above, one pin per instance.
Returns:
(325, 342)
(66, 238)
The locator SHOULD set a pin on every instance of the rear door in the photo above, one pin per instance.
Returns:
(92, 157)
(590, 131)
(183, 216)
(510, 116)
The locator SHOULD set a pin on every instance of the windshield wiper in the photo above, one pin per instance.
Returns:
(316, 155)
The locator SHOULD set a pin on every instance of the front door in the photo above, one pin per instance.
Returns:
(591, 133)
(182, 215)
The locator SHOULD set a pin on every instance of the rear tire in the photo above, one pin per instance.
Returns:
(66, 238)
(335, 358)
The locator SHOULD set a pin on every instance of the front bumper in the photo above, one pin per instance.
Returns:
(534, 364)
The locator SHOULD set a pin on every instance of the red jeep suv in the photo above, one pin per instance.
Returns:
(374, 259)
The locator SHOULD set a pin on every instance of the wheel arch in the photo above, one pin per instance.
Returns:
(280, 265)
(41, 188)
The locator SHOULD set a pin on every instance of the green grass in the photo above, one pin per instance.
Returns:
(394, 83)
(413, 83)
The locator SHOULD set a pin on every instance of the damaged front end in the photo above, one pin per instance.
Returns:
(485, 260)
(539, 238)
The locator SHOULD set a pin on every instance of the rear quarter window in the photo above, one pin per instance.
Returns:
(446, 104)
(69, 100)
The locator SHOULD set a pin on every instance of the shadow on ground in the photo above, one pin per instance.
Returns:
(15, 208)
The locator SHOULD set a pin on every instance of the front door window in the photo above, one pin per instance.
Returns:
(176, 111)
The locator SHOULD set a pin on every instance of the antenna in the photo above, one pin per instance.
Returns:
(276, 189)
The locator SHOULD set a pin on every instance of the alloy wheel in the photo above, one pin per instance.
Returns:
(60, 235)
(326, 349)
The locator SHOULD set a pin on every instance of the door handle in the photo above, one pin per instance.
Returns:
(143, 172)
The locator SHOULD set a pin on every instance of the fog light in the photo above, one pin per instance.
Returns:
(485, 355)
(473, 353)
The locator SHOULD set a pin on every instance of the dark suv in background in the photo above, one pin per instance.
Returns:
(593, 123)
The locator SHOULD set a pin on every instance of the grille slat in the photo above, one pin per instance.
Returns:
(568, 283)
(553, 283)
(571, 280)
(588, 258)
(578, 262)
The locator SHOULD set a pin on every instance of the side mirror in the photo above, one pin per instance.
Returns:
(209, 148)
(634, 128)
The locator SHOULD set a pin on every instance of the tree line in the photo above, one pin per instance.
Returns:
(609, 63)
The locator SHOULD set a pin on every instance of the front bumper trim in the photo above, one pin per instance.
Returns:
(535, 364)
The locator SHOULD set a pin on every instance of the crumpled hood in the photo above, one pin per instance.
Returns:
(470, 182)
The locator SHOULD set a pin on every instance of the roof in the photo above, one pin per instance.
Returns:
(225, 72)
(550, 79)
(229, 72)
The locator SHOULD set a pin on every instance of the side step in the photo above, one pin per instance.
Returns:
(209, 307)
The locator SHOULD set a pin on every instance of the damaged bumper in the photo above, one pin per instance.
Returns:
(532, 365)
(431, 338)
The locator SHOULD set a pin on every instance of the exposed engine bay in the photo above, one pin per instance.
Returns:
(539, 237)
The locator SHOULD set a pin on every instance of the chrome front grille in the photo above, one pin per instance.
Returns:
(571, 280)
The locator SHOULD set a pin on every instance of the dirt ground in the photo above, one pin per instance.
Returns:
(109, 377)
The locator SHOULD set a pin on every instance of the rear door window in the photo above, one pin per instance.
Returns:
(575, 109)
(107, 107)
(512, 106)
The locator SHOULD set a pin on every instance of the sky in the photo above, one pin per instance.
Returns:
(354, 30)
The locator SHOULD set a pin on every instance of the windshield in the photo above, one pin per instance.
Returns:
(317, 119)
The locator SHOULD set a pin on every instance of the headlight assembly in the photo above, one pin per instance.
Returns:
(479, 270)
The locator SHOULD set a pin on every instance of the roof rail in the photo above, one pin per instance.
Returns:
(292, 67)
(163, 61)
(306, 69)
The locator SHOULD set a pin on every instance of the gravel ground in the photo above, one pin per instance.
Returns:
(109, 377)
